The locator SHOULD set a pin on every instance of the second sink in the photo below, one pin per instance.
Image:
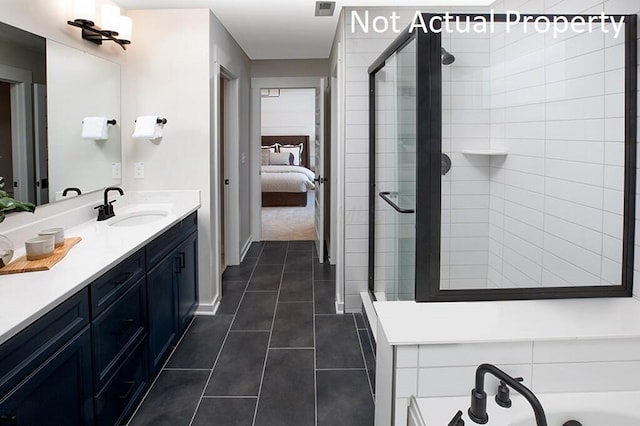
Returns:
(138, 218)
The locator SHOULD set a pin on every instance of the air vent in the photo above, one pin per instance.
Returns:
(325, 8)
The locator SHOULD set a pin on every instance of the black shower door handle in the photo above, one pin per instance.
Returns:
(384, 196)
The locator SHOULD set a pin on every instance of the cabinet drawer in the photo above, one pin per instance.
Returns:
(117, 329)
(120, 395)
(106, 289)
(166, 242)
(32, 346)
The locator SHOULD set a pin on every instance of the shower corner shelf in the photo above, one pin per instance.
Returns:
(494, 152)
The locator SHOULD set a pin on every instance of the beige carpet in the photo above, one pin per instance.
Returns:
(289, 223)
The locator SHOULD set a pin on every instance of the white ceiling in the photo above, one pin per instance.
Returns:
(281, 29)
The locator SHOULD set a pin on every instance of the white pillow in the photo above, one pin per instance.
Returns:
(279, 158)
(264, 159)
(296, 150)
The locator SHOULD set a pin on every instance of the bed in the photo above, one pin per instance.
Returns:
(284, 173)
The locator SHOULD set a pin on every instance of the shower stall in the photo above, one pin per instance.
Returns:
(503, 158)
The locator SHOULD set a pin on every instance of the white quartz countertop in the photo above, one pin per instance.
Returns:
(411, 323)
(25, 297)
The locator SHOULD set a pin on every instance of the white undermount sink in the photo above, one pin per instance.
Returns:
(138, 218)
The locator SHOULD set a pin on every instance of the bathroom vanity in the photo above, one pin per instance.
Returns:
(82, 342)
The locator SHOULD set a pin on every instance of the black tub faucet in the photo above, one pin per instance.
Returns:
(478, 410)
(105, 211)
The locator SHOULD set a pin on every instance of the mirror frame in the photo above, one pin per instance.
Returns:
(429, 150)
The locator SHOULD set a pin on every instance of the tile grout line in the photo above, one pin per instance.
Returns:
(204, 390)
(273, 320)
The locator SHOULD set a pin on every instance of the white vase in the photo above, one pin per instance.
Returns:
(6, 250)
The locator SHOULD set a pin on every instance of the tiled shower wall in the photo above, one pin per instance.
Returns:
(556, 199)
(465, 188)
(360, 51)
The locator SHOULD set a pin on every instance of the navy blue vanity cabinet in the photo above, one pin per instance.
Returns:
(187, 280)
(119, 332)
(171, 287)
(46, 369)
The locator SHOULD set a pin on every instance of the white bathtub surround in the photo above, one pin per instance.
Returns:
(432, 350)
(27, 296)
(589, 408)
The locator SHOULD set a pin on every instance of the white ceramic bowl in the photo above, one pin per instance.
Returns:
(39, 247)
(58, 234)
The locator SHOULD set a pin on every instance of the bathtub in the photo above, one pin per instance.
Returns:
(589, 408)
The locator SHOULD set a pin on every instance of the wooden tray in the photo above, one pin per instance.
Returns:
(21, 264)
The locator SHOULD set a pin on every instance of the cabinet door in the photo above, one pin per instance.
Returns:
(163, 310)
(187, 276)
(59, 392)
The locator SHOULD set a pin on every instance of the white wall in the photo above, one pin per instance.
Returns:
(172, 72)
(178, 90)
(291, 113)
(289, 68)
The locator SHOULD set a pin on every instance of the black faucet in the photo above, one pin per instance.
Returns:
(478, 410)
(71, 189)
(105, 211)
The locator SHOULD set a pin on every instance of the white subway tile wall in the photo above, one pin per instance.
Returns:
(559, 366)
(557, 189)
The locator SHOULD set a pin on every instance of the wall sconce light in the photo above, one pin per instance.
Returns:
(117, 28)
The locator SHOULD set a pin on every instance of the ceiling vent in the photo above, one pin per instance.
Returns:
(325, 8)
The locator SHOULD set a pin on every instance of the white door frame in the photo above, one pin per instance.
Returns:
(22, 130)
(232, 132)
(256, 85)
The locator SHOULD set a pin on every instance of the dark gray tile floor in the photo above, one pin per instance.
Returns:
(276, 354)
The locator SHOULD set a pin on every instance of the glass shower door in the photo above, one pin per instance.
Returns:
(395, 176)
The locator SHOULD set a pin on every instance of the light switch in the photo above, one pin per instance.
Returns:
(116, 171)
(138, 170)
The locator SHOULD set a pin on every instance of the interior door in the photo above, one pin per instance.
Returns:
(40, 139)
(319, 178)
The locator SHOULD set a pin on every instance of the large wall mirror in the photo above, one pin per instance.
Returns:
(46, 90)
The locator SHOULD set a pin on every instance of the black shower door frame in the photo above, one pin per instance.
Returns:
(428, 161)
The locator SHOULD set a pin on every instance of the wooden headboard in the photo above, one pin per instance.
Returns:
(291, 140)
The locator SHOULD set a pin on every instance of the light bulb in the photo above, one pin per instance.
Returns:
(110, 17)
(84, 10)
(124, 28)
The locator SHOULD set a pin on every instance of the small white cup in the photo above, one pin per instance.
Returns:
(58, 234)
(39, 247)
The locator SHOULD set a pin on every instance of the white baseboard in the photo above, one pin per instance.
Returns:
(339, 307)
(245, 249)
(208, 308)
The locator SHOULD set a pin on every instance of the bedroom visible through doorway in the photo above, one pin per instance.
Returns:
(288, 133)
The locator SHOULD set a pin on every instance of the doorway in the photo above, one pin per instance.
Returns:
(287, 126)
(316, 87)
